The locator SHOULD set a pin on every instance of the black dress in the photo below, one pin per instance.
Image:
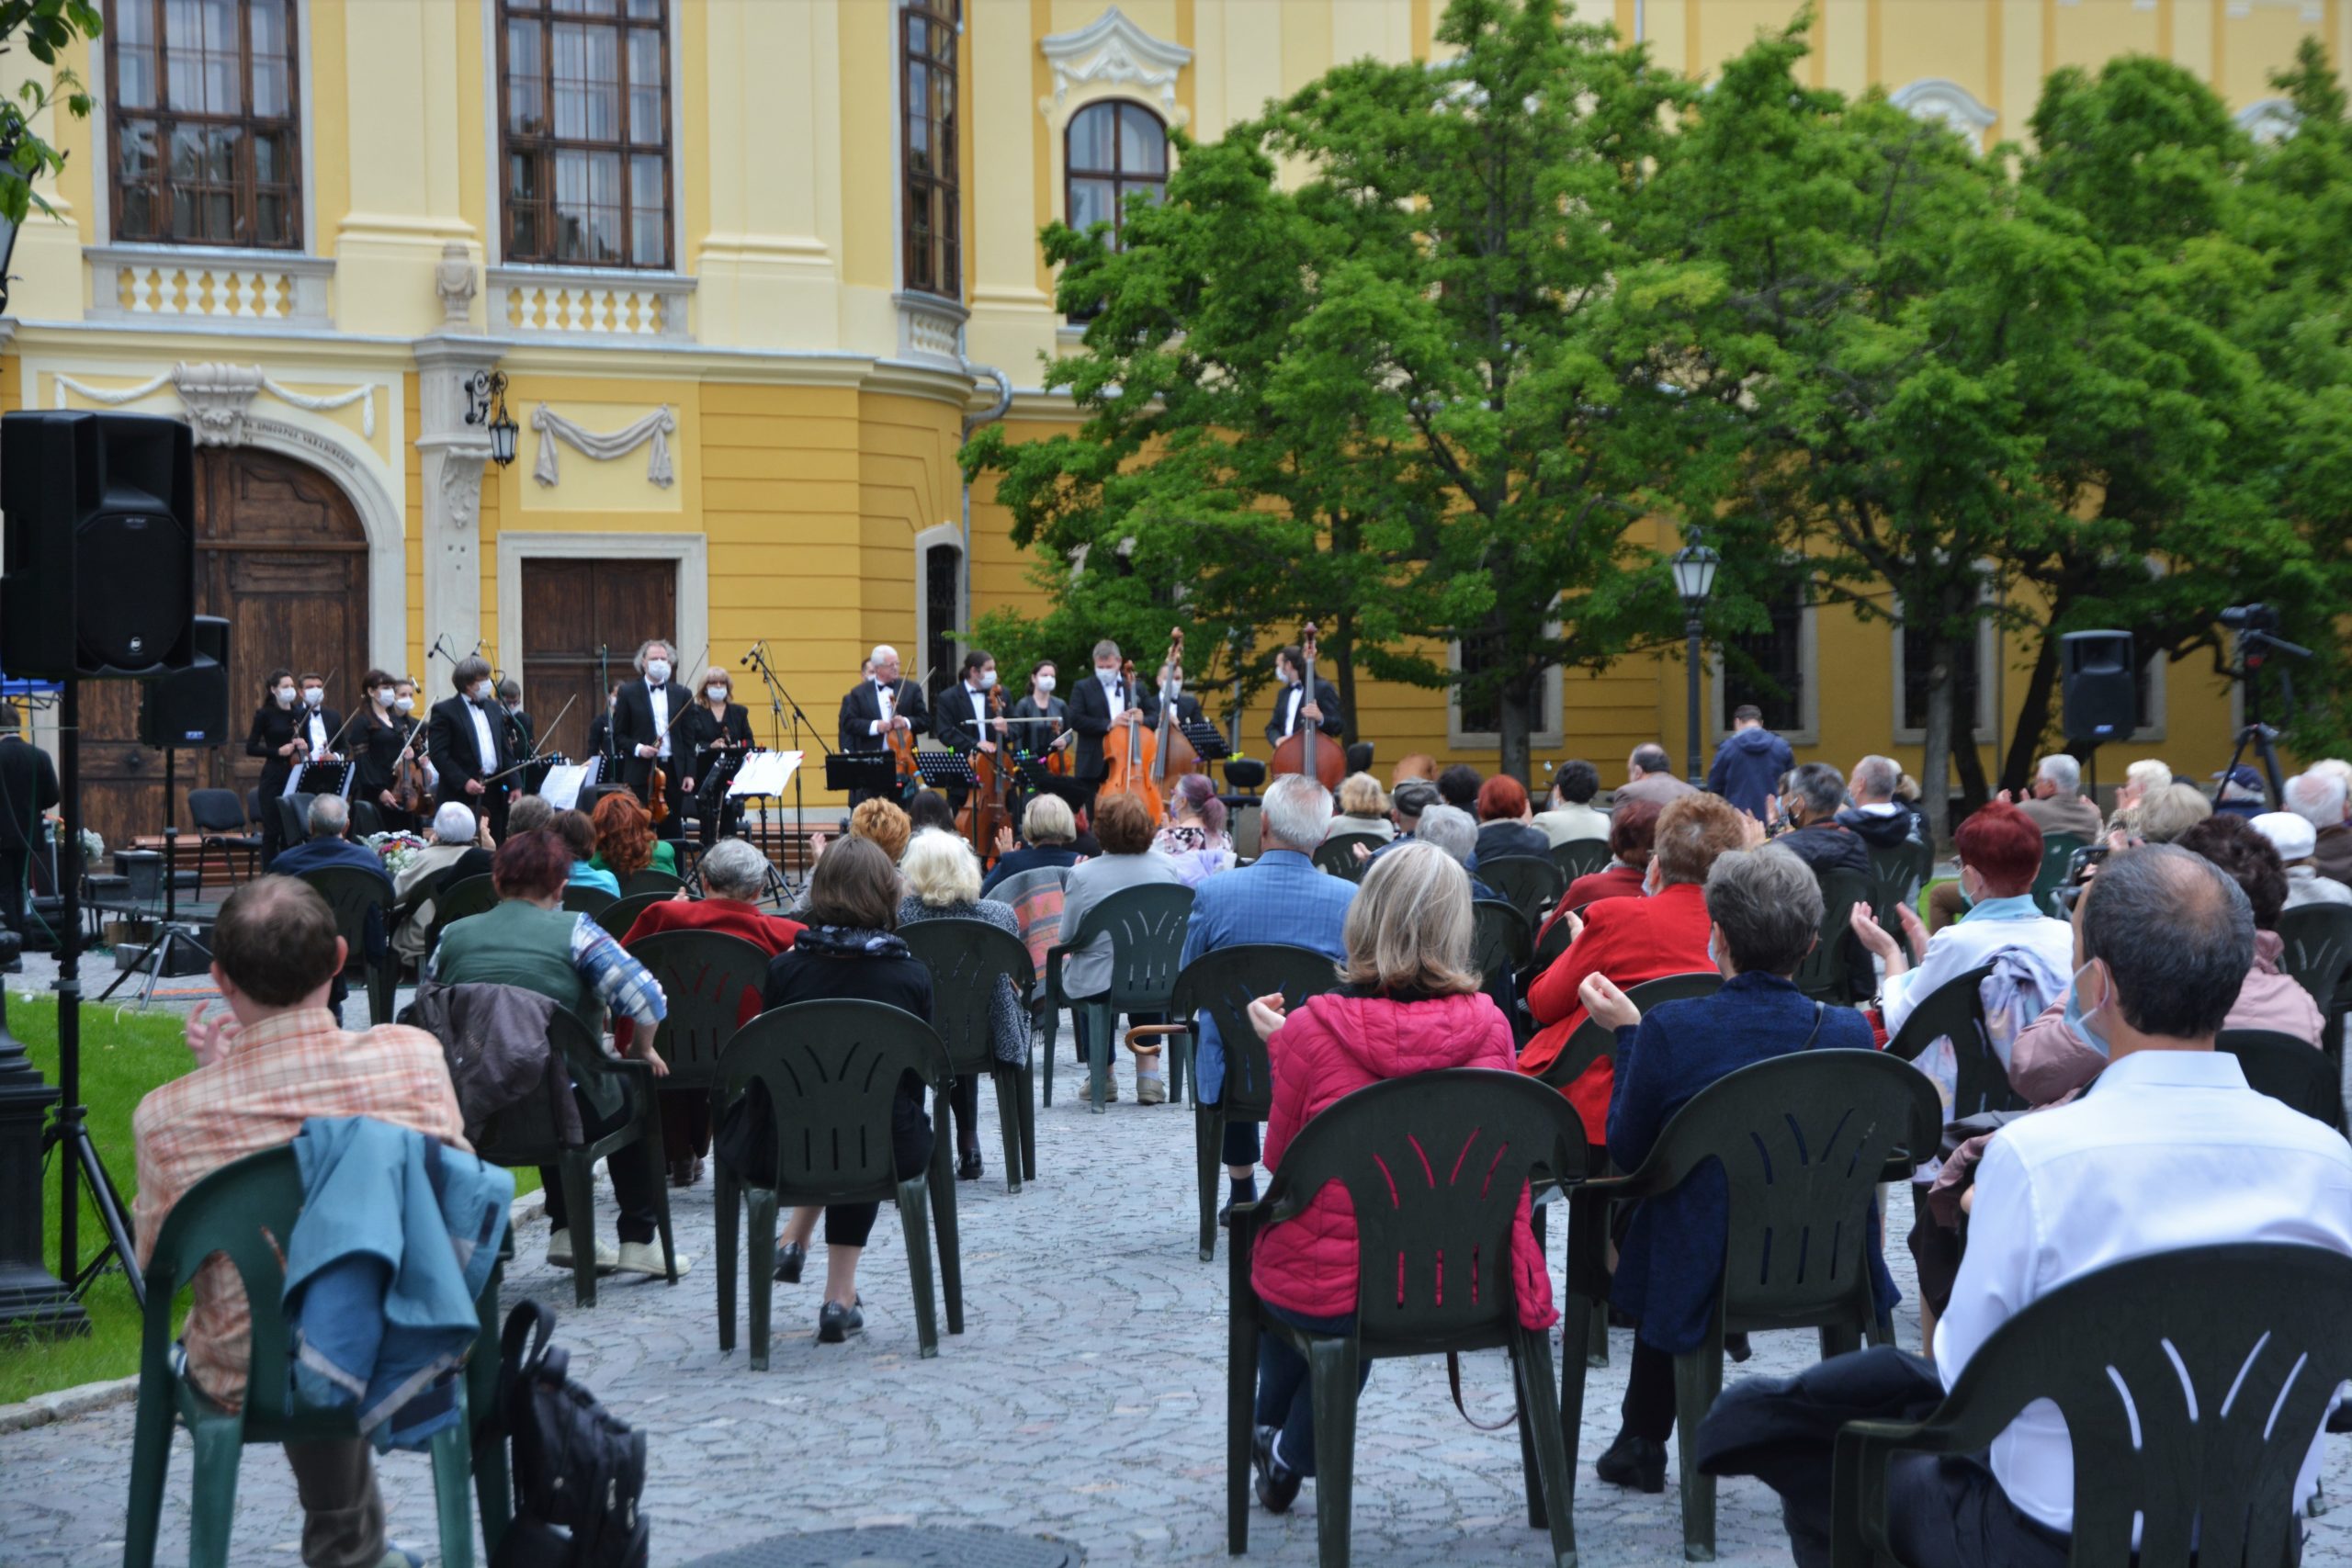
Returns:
(273, 728)
(833, 964)
(698, 735)
(375, 746)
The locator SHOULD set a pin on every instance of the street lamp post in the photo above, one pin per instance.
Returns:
(1694, 578)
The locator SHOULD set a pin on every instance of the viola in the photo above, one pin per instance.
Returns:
(1130, 761)
(1305, 750)
(409, 791)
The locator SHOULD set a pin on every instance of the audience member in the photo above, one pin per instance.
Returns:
(326, 848)
(1048, 826)
(1126, 860)
(1504, 825)
(1364, 809)
(1413, 765)
(2317, 795)
(2057, 804)
(852, 952)
(2296, 841)
(928, 808)
(2241, 792)
(1278, 897)
(2141, 779)
(528, 814)
(1749, 762)
(1459, 787)
(1411, 1004)
(530, 940)
(449, 837)
(28, 789)
(1571, 817)
(578, 834)
(942, 878)
(1193, 837)
(1633, 939)
(278, 1060)
(1629, 847)
(1451, 829)
(1764, 913)
(2171, 811)
(1876, 817)
(625, 841)
(1405, 804)
(1649, 776)
(1812, 803)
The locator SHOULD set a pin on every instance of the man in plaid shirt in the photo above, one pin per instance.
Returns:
(282, 1061)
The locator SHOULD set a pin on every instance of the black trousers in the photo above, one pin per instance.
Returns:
(1948, 1512)
(1648, 1407)
(848, 1224)
(636, 1183)
(15, 867)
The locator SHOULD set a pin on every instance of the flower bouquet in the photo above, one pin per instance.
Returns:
(396, 849)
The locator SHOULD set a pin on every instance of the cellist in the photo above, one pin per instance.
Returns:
(1296, 707)
(1098, 706)
(963, 719)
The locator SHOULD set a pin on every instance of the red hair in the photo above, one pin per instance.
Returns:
(531, 865)
(2004, 847)
(1501, 798)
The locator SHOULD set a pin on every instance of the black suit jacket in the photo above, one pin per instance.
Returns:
(27, 788)
(953, 722)
(273, 727)
(1090, 715)
(862, 706)
(633, 726)
(333, 721)
(1326, 697)
(600, 739)
(456, 756)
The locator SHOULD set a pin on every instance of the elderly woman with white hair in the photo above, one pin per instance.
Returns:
(453, 831)
(943, 879)
(2141, 779)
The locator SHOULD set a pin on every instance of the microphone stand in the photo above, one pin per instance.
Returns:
(779, 698)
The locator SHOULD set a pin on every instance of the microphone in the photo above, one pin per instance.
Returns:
(745, 662)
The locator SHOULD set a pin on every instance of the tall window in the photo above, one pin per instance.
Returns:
(1115, 150)
(585, 86)
(934, 262)
(207, 141)
(943, 569)
(1967, 683)
(1766, 668)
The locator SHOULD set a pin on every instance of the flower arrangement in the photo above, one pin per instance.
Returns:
(94, 849)
(396, 849)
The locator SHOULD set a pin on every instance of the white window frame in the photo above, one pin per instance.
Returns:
(1550, 736)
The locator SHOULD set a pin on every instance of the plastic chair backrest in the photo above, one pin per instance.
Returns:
(831, 1071)
(2192, 1384)
(1145, 926)
(2291, 1070)
(1501, 941)
(2318, 949)
(582, 899)
(967, 958)
(1433, 1165)
(1337, 854)
(1827, 971)
(1531, 883)
(621, 913)
(2057, 849)
(1552, 942)
(1580, 857)
(1955, 1011)
(293, 818)
(216, 811)
(253, 809)
(244, 1209)
(1222, 984)
(351, 893)
(1036, 901)
(703, 976)
(1594, 1040)
(473, 896)
(1803, 1141)
(649, 880)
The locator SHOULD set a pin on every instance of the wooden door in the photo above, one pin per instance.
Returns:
(582, 621)
(280, 553)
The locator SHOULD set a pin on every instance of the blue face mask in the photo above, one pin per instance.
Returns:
(2077, 1021)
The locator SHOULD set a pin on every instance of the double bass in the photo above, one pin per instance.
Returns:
(1130, 763)
(988, 810)
(1176, 753)
(1305, 750)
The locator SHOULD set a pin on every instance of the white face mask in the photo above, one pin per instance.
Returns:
(1045, 683)
(1289, 676)
(1108, 677)
(716, 694)
(285, 696)
(406, 705)
(987, 680)
(384, 698)
(481, 692)
(314, 696)
(657, 670)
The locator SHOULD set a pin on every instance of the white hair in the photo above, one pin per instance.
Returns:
(330, 814)
(1296, 812)
(940, 869)
(454, 823)
(2317, 798)
(734, 868)
(882, 654)
(1875, 780)
(1450, 828)
(2063, 771)
(2149, 774)
(645, 651)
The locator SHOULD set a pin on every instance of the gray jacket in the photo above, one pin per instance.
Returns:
(496, 1041)
(1087, 973)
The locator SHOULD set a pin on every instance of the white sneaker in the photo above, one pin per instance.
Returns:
(1150, 1090)
(608, 1258)
(645, 1258)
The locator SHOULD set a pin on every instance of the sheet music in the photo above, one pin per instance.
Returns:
(562, 785)
(766, 773)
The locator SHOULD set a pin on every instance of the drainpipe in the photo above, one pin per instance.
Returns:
(972, 422)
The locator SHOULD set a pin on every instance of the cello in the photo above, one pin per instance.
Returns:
(988, 811)
(1176, 753)
(1305, 750)
(1130, 764)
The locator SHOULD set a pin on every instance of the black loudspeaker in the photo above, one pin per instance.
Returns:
(189, 709)
(97, 574)
(2101, 683)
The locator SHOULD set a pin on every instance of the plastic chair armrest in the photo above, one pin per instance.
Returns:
(1858, 1483)
(1054, 956)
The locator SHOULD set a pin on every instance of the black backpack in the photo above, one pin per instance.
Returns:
(578, 1469)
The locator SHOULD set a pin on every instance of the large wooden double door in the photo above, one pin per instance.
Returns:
(583, 623)
(280, 552)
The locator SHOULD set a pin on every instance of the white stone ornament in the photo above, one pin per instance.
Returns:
(1113, 49)
(655, 428)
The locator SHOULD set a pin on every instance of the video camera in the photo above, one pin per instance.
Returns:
(2258, 628)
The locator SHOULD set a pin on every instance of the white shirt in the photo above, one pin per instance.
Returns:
(484, 738)
(318, 725)
(2168, 1149)
(1973, 941)
(1290, 710)
(660, 697)
(882, 695)
(979, 711)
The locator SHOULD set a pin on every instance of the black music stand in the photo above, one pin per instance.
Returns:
(941, 770)
(873, 772)
(1208, 741)
(325, 778)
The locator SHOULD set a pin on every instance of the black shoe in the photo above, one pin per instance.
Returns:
(1224, 1221)
(1736, 1347)
(837, 1323)
(788, 1259)
(968, 1168)
(1278, 1483)
(1633, 1462)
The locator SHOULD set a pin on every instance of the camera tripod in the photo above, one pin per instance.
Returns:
(157, 957)
(2254, 648)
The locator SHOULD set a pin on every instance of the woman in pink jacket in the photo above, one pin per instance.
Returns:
(1412, 1003)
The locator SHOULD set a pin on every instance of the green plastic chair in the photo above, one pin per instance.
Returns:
(247, 1210)
(1223, 984)
(968, 958)
(1529, 882)
(2224, 1358)
(2290, 1070)
(831, 1071)
(650, 880)
(1502, 943)
(2317, 949)
(2057, 849)
(1337, 854)
(623, 911)
(1433, 1165)
(473, 896)
(1580, 857)
(1955, 1010)
(592, 902)
(354, 895)
(1146, 929)
(525, 1135)
(1830, 971)
(703, 976)
(1896, 877)
(1803, 1140)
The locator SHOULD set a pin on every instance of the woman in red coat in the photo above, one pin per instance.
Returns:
(1412, 1004)
(1634, 940)
(1630, 829)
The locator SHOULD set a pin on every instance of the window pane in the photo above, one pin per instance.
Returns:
(645, 87)
(649, 212)
(587, 83)
(1091, 133)
(646, 10)
(270, 211)
(270, 95)
(1915, 662)
(1765, 668)
(527, 109)
(1089, 202)
(1143, 146)
(267, 23)
(134, 69)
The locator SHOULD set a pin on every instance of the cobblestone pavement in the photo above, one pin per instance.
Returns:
(1084, 1401)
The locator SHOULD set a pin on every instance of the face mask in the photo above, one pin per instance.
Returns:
(1046, 684)
(481, 692)
(987, 680)
(2078, 1021)
(285, 696)
(406, 705)
(1287, 677)
(657, 670)
(716, 694)
(1108, 677)
(384, 698)
(1714, 960)
(313, 696)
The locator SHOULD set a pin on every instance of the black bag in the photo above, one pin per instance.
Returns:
(578, 1469)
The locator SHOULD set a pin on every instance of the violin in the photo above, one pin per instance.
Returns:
(988, 809)
(1130, 769)
(410, 793)
(1176, 753)
(1305, 750)
(900, 743)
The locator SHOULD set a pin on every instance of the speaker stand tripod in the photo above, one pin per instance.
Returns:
(157, 959)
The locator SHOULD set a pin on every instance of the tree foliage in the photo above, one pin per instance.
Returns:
(45, 28)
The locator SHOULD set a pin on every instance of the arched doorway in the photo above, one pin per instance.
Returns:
(281, 554)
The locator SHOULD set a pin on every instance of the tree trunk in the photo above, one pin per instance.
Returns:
(1968, 758)
(1515, 708)
(2033, 717)
(1935, 761)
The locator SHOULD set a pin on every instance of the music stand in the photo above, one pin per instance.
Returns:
(321, 778)
(874, 773)
(941, 769)
(1208, 741)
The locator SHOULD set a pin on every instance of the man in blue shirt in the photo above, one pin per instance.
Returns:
(326, 847)
(1280, 897)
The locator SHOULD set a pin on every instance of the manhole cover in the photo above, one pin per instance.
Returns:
(897, 1547)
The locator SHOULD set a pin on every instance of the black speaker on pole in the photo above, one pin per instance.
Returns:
(189, 709)
(2101, 685)
(97, 568)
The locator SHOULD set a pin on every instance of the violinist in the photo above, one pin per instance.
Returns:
(404, 709)
(276, 737)
(468, 744)
(1100, 708)
(379, 742)
(521, 737)
(1044, 738)
(320, 725)
(713, 727)
(966, 720)
(641, 732)
(883, 702)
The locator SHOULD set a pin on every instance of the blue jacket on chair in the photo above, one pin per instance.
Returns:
(1279, 897)
(397, 1236)
(1671, 1264)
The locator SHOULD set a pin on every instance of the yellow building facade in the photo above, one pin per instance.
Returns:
(749, 269)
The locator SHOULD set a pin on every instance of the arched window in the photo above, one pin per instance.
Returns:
(207, 133)
(1113, 151)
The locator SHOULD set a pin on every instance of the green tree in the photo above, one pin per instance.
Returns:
(45, 28)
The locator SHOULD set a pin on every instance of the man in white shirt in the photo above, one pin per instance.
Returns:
(2169, 1148)
(1572, 816)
